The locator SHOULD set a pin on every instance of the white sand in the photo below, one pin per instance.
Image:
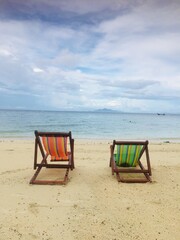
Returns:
(93, 205)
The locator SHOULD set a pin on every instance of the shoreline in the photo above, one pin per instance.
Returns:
(151, 140)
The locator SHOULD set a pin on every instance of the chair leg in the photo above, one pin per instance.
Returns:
(33, 179)
(110, 163)
(66, 176)
(118, 177)
(147, 175)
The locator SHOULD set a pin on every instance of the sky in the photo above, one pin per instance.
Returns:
(86, 54)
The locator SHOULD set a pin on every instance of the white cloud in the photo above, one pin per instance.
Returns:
(5, 52)
(127, 61)
(37, 70)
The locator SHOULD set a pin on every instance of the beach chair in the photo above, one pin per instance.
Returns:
(56, 151)
(126, 159)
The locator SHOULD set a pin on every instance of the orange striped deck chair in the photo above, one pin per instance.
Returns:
(56, 151)
(127, 158)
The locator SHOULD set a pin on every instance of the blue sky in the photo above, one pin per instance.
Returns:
(89, 54)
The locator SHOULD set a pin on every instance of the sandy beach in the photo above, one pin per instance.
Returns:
(93, 205)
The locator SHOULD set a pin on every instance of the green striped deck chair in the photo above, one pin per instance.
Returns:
(57, 151)
(125, 157)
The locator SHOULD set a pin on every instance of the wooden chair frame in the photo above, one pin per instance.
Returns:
(69, 164)
(117, 170)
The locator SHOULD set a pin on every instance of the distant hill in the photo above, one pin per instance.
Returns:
(105, 110)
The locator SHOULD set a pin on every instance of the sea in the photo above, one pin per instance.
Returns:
(21, 124)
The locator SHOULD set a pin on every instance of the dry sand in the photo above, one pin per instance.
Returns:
(93, 205)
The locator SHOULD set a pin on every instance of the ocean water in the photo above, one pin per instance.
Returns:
(97, 125)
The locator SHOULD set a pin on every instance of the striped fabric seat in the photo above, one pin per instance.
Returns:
(127, 155)
(56, 147)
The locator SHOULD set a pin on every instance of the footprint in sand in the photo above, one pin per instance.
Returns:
(33, 208)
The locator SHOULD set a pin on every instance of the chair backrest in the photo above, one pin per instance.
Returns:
(127, 154)
(56, 147)
(55, 144)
